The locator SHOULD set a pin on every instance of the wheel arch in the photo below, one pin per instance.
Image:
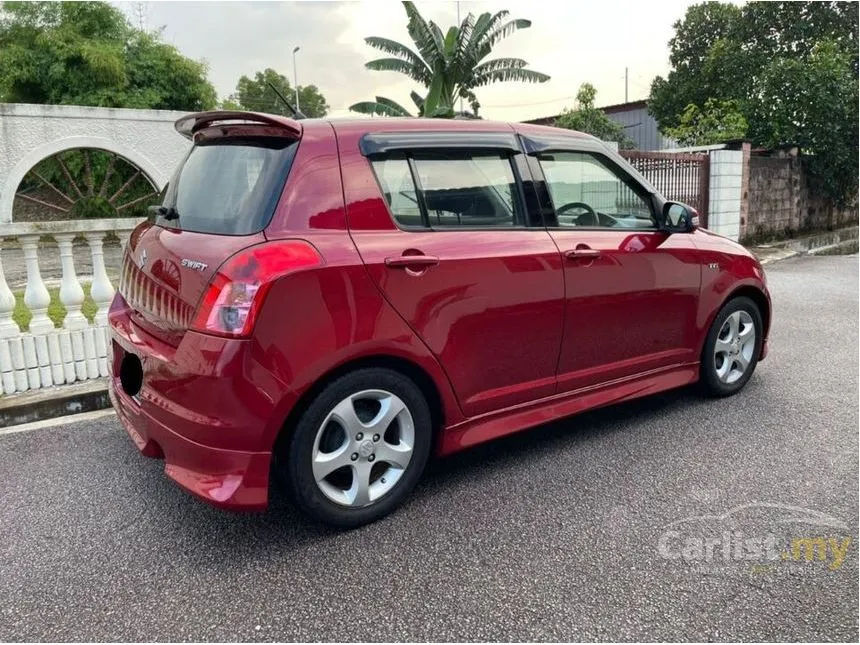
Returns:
(751, 291)
(758, 297)
(404, 366)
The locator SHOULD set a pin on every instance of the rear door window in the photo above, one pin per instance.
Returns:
(228, 186)
(397, 185)
(453, 190)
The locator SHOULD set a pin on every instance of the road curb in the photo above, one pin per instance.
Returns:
(846, 247)
(52, 402)
(839, 242)
(771, 259)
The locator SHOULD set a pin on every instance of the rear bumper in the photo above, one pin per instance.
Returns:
(229, 479)
(202, 408)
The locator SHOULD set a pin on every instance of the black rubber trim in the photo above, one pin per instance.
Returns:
(552, 143)
(379, 143)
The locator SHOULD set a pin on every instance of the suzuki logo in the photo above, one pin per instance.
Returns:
(142, 261)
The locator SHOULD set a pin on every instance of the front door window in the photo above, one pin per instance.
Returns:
(586, 192)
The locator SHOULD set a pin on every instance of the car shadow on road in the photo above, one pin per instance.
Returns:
(564, 433)
(282, 528)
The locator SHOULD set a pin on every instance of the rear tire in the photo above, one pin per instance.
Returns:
(359, 448)
(732, 348)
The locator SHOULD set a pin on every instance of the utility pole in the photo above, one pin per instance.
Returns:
(625, 85)
(140, 11)
(296, 78)
(458, 26)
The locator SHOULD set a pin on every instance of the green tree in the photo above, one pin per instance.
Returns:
(256, 95)
(813, 103)
(86, 53)
(718, 121)
(585, 117)
(789, 68)
(701, 53)
(450, 65)
(161, 78)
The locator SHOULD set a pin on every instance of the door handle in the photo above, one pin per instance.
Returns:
(412, 261)
(582, 253)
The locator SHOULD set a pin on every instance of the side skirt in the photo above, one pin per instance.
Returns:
(527, 415)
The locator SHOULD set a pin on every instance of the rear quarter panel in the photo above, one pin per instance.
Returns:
(317, 321)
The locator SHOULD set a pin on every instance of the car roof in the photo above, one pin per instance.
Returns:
(405, 124)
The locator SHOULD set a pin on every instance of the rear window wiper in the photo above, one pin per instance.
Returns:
(165, 212)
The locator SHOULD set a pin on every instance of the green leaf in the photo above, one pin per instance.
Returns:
(718, 121)
(510, 74)
(398, 65)
(489, 41)
(418, 100)
(381, 106)
(500, 63)
(422, 35)
(434, 94)
(486, 23)
(451, 43)
(401, 51)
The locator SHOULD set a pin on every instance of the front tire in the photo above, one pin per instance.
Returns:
(732, 348)
(359, 448)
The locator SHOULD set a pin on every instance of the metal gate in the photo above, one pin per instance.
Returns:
(679, 176)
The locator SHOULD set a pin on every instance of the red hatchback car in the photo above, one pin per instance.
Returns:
(330, 302)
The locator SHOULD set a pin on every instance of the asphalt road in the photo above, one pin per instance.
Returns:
(553, 534)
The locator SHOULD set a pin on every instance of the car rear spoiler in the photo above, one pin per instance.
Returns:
(191, 123)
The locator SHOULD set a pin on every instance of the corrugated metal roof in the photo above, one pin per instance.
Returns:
(640, 126)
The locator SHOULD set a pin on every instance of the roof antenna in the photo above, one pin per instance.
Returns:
(298, 115)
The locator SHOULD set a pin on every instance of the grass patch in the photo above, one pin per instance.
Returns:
(56, 310)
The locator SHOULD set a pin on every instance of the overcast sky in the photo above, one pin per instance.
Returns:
(573, 42)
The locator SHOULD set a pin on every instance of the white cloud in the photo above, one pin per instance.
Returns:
(573, 42)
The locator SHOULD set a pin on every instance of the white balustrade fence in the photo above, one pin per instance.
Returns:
(46, 355)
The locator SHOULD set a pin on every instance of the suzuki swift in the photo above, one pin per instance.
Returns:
(329, 303)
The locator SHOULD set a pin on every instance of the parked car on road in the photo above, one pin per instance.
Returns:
(331, 302)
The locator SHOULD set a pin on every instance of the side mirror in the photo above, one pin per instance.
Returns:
(679, 218)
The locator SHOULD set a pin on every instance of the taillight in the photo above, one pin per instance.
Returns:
(233, 299)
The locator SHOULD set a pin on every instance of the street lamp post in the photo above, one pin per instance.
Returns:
(296, 78)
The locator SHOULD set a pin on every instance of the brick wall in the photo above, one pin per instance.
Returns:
(783, 202)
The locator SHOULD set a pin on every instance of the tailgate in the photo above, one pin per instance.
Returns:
(165, 272)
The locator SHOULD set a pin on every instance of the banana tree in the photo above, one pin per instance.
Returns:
(386, 107)
(450, 65)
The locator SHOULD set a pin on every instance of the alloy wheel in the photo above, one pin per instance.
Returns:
(363, 447)
(733, 350)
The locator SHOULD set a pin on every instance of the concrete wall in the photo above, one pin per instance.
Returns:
(30, 133)
(783, 201)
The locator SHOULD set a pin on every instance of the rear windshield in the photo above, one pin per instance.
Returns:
(228, 186)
